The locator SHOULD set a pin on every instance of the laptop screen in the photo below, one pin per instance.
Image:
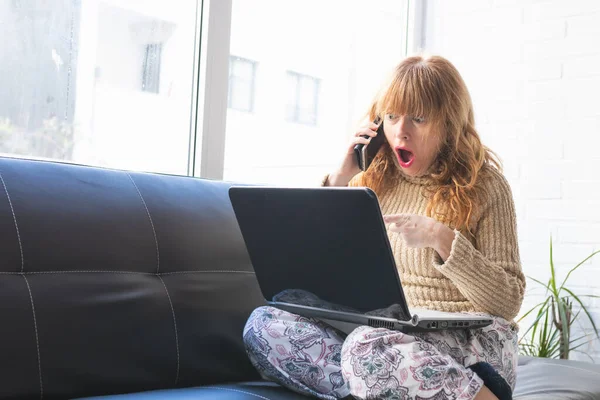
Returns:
(320, 247)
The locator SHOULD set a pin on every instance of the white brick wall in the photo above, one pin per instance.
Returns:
(533, 69)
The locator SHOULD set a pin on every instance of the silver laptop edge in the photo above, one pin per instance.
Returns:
(416, 323)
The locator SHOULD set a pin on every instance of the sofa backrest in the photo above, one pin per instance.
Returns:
(115, 282)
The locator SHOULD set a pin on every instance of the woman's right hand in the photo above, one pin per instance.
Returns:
(349, 167)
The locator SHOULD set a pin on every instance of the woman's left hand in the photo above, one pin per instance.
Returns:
(419, 231)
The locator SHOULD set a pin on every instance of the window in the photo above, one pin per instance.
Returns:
(303, 98)
(151, 68)
(242, 73)
(76, 78)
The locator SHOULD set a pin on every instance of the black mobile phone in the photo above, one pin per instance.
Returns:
(365, 153)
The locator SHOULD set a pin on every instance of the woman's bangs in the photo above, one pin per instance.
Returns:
(408, 95)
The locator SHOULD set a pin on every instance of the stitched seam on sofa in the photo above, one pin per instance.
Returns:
(15, 220)
(37, 339)
(124, 272)
(75, 272)
(240, 391)
(175, 325)
(208, 272)
(151, 223)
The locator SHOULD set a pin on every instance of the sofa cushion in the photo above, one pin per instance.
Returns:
(240, 391)
(118, 282)
(541, 378)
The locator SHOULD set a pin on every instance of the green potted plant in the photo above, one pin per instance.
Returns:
(549, 335)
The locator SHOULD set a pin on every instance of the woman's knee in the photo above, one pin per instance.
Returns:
(255, 335)
(261, 312)
(360, 343)
(367, 347)
(266, 318)
(368, 336)
(258, 320)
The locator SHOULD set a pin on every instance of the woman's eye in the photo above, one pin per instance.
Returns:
(391, 116)
(418, 120)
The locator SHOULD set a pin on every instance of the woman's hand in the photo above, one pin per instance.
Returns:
(349, 167)
(420, 232)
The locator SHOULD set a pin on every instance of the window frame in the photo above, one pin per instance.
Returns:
(209, 116)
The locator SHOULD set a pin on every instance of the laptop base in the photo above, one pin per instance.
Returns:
(349, 321)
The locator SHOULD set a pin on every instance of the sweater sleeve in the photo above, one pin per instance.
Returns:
(489, 273)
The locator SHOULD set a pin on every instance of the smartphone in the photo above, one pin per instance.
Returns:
(365, 153)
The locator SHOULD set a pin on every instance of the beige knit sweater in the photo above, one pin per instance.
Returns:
(482, 274)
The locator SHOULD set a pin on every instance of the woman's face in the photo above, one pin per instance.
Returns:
(413, 141)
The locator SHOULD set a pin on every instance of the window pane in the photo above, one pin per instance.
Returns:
(306, 91)
(291, 92)
(241, 84)
(307, 100)
(243, 69)
(241, 96)
(98, 82)
(321, 63)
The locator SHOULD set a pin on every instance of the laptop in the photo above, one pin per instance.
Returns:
(324, 252)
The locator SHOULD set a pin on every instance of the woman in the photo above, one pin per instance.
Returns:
(452, 226)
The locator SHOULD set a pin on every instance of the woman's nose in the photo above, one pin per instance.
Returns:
(403, 128)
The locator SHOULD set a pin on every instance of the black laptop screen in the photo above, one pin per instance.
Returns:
(322, 247)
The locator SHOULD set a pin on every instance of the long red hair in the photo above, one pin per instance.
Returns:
(433, 88)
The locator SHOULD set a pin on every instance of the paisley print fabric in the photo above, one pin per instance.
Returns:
(310, 357)
(299, 353)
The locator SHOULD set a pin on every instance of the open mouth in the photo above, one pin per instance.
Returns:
(405, 157)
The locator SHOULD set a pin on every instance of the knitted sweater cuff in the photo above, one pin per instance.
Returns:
(458, 263)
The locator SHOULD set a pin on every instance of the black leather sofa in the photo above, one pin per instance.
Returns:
(137, 286)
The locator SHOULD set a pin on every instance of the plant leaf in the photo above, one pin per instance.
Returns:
(547, 286)
(584, 308)
(575, 267)
(574, 317)
(552, 271)
(579, 338)
(554, 342)
(560, 304)
(529, 312)
(579, 345)
(542, 313)
(535, 324)
(583, 352)
(544, 333)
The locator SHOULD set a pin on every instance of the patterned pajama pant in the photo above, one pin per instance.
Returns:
(312, 358)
